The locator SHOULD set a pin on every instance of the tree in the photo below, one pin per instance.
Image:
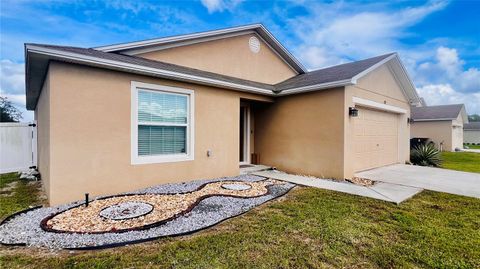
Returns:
(8, 112)
(474, 117)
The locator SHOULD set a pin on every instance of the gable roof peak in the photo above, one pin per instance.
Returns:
(132, 48)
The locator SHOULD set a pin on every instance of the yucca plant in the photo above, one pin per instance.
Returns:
(425, 155)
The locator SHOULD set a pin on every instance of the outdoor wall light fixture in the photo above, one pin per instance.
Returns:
(352, 112)
(410, 120)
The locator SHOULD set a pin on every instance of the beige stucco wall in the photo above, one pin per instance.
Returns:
(42, 116)
(303, 134)
(90, 134)
(457, 132)
(437, 131)
(471, 136)
(87, 111)
(229, 56)
(313, 134)
(450, 132)
(379, 86)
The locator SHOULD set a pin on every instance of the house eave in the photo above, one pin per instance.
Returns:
(439, 119)
(35, 81)
(320, 86)
(37, 59)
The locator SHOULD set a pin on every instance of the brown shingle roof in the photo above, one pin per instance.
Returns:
(340, 74)
(436, 112)
(472, 126)
(330, 74)
(155, 64)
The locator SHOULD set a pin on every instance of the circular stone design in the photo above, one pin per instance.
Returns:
(126, 210)
(236, 186)
(254, 44)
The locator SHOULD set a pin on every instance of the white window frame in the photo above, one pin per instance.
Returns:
(190, 132)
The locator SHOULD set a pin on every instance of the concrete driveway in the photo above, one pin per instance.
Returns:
(435, 179)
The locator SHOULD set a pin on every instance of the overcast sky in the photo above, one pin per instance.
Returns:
(438, 41)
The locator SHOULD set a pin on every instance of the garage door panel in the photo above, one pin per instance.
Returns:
(375, 139)
(358, 129)
(371, 129)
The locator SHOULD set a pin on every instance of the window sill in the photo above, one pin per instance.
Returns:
(160, 159)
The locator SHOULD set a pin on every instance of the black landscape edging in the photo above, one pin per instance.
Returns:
(138, 241)
(11, 217)
(44, 226)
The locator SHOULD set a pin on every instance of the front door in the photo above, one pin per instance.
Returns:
(244, 134)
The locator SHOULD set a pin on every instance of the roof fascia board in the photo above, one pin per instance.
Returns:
(205, 39)
(400, 83)
(315, 87)
(407, 85)
(408, 81)
(145, 70)
(282, 57)
(439, 119)
(371, 68)
(284, 50)
(463, 112)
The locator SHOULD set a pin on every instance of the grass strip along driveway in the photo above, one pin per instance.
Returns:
(309, 228)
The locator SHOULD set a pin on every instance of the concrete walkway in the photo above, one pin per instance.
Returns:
(435, 179)
(248, 169)
(381, 191)
(472, 150)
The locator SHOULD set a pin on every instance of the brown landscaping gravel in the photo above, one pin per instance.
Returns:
(87, 219)
(361, 181)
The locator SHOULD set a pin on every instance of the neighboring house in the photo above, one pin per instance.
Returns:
(442, 125)
(471, 133)
(127, 116)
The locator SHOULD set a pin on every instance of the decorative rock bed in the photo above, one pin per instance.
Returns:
(236, 186)
(164, 210)
(126, 210)
(361, 181)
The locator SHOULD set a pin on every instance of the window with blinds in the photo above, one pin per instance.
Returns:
(162, 123)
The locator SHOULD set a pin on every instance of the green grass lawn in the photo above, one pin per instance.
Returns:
(309, 228)
(473, 146)
(20, 196)
(461, 161)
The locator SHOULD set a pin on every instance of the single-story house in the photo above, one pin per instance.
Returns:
(442, 125)
(126, 116)
(471, 133)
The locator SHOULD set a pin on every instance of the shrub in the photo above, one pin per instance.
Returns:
(425, 155)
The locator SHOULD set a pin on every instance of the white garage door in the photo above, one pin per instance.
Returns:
(376, 139)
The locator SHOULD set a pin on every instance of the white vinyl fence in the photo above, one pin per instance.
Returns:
(18, 146)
